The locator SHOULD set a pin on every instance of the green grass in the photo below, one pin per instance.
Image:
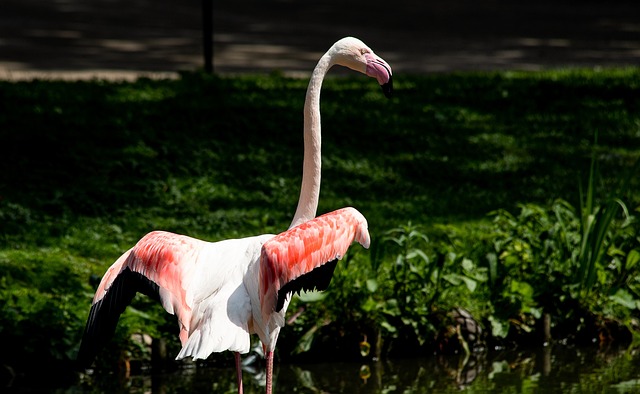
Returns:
(89, 167)
(214, 155)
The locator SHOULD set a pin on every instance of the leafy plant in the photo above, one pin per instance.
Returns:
(561, 262)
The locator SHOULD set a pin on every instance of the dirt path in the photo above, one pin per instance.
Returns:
(124, 39)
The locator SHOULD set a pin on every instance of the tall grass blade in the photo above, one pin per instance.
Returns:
(596, 222)
(586, 259)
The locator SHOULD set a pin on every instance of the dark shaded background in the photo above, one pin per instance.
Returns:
(116, 37)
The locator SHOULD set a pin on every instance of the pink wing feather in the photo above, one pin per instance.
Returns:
(155, 267)
(156, 256)
(305, 247)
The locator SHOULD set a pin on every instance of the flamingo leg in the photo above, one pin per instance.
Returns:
(239, 372)
(269, 357)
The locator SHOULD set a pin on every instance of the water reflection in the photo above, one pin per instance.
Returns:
(557, 369)
(545, 370)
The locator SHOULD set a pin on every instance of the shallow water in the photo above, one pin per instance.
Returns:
(557, 369)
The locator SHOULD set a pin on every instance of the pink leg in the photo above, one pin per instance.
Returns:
(269, 371)
(239, 372)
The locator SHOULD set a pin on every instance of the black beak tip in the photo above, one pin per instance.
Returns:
(387, 88)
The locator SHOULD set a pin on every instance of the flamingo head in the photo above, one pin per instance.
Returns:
(355, 54)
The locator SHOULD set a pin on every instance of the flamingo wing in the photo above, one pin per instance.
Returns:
(304, 257)
(153, 267)
(104, 314)
(198, 281)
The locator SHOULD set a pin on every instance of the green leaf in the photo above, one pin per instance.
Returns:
(499, 329)
(535, 312)
(372, 285)
(632, 258)
(304, 344)
(369, 305)
(454, 279)
(624, 298)
(471, 283)
(137, 312)
(626, 386)
(388, 326)
(457, 279)
(522, 288)
(418, 253)
(391, 307)
(312, 296)
(467, 264)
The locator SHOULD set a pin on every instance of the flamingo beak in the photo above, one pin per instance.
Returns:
(380, 70)
(387, 88)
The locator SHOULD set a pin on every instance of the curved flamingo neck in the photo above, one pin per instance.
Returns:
(312, 162)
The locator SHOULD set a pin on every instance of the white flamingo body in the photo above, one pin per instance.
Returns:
(221, 292)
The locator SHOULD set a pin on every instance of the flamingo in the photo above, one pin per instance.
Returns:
(222, 292)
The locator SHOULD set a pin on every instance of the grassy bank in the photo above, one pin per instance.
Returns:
(90, 167)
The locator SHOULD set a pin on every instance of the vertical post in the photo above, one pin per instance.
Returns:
(207, 34)
(158, 353)
(546, 320)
